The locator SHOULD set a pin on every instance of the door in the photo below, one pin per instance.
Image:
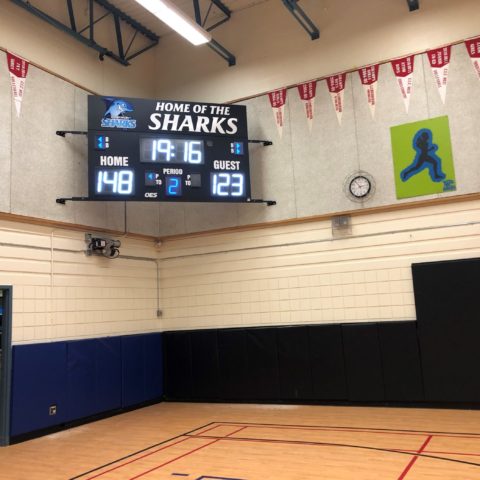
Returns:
(5, 361)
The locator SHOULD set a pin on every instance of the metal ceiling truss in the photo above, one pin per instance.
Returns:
(86, 35)
(413, 5)
(213, 44)
(302, 18)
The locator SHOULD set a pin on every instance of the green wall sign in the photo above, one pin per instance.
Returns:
(422, 158)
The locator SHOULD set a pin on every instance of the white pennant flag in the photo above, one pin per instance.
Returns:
(18, 68)
(336, 87)
(439, 59)
(403, 70)
(369, 79)
(307, 92)
(473, 48)
(277, 101)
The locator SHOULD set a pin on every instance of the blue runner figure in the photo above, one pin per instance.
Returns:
(425, 158)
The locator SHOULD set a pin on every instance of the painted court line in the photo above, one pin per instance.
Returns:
(138, 458)
(366, 429)
(339, 429)
(414, 459)
(210, 429)
(344, 445)
(185, 454)
(453, 453)
(130, 455)
(173, 460)
(422, 452)
(146, 455)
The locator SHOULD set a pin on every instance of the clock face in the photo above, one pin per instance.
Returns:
(360, 186)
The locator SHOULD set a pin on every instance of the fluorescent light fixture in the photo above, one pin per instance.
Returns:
(170, 14)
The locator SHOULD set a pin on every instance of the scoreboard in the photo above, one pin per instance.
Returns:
(159, 150)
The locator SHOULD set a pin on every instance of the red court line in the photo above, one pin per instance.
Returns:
(349, 429)
(209, 429)
(186, 454)
(309, 443)
(414, 459)
(173, 460)
(328, 444)
(353, 429)
(146, 455)
(432, 452)
(433, 432)
(138, 458)
(453, 453)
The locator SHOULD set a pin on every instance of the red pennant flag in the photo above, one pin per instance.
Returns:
(277, 101)
(473, 48)
(369, 79)
(18, 68)
(439, 59)
(336, 87)
(403, 70)
(307, 92)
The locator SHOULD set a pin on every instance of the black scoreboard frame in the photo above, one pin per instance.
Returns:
(159, 150)
(168, 151)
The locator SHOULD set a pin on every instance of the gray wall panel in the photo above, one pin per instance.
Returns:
(6, 111)
(374, 144)
(81, 109)
(171, 218)
(93, 214)
(271, 167)
(305, 172)
(45, 166)
(324, 157)
(463, 109)
(115, 212)
(143, 218)
(208, 216)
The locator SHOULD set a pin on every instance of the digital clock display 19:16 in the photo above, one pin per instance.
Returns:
(172, 150)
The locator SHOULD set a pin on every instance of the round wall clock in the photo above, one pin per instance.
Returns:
(359, 186)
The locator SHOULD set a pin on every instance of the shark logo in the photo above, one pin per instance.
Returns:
(115, 115)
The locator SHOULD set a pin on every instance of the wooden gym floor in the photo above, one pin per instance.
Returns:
(256, 442)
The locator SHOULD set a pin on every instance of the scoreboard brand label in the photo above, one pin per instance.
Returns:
(161, 150)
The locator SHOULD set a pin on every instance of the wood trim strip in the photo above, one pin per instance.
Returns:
(42, 222)
(318, 218)
(12, 217)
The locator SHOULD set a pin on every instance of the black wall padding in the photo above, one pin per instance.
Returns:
(294, 363)
(326, 362)
(232, 354)
(363, 362)
(178, 365)
(447, 290)
(205, 368)
(447, 299)
(401, 361)
(262, 364)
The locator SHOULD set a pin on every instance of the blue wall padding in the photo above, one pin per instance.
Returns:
(83, 378)
(39, 381)
(153, 366)
(141, 368)
(133, 370)
(81, 391)
(108, 374)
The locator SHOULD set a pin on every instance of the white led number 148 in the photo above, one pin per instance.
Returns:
(113, 181)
